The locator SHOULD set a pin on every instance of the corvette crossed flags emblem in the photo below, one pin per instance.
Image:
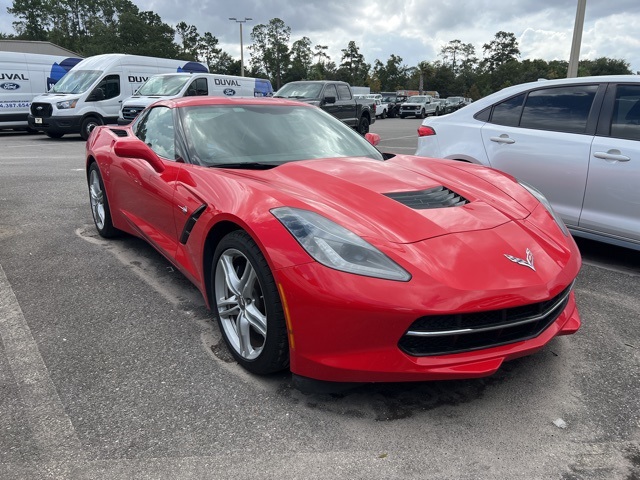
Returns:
(525, 263)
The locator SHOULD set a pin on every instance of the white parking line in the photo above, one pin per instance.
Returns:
(51, 427)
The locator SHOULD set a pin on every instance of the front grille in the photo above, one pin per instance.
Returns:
(41, 110)
(129, 113)
(436, 197)
(446, 334)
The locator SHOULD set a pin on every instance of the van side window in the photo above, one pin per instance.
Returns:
(198, 87)
(110, 85)
(625, 122)
(156, 130)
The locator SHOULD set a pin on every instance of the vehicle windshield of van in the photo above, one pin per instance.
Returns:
(299, 90)
(161, 86)
(76, 81)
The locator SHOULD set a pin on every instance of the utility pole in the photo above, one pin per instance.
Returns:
(572, 71)
(241, 47)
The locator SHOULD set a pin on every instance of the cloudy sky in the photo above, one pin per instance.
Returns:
(414, 29)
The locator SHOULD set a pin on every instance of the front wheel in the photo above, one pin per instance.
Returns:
(54, 134)
(383, 115)
(88, 124)
(423, 114)
(363, 126)
(99, 204)
(247, 305)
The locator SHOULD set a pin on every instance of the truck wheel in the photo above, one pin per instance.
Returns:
(54, 134)
(363, 126)
(383, 115)
(423, 114)
(88, 124)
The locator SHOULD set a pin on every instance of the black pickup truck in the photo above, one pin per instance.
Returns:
(335, 98)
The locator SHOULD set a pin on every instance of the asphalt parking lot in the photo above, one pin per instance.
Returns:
(110, 367)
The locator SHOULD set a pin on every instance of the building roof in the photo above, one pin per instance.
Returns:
(30, 46)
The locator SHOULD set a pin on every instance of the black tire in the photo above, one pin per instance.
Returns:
(423, 114)
(87, 125)
(403, 116)
(99, 204)
(54, 134)
(250, 317)
(363, 126)
(383, 115)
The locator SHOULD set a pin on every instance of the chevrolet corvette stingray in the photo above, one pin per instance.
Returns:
(317, 253)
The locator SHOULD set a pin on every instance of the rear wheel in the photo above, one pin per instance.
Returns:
(247, 305)
(363, 126)
(383, 115)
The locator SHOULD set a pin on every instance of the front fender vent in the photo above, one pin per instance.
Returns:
(436, 197)
(119, 132)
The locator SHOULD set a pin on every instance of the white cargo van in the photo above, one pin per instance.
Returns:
(24, 76)
(91, 94)
(175, 85)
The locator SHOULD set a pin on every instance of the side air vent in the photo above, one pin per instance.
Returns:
(436, 197)
(119, 132)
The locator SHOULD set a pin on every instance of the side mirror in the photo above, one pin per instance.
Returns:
(329, 100)
(372, 138)
(96, 95)
(133, 147)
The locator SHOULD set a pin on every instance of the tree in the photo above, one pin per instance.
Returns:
(191, 42)
(270, 51)
(33, 18)
(502, 49)
(353, 68)
(301, 60)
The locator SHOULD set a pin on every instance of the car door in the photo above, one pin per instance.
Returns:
(348, 108)
(110, 104)
(145, 194)
(543, 137)
(612, 196)
(334, 107)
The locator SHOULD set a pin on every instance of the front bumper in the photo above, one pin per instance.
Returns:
(352, 333)
(56, 125)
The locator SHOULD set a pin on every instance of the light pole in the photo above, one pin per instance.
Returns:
(574, 57)
(241, 48)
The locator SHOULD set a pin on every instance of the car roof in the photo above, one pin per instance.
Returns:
(199, 101)
(522, 87)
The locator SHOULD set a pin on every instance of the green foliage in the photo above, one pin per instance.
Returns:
(270, 52)
(353, 68)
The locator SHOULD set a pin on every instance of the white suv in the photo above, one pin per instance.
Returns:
(576, 140)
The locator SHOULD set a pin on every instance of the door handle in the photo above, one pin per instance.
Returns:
(612, 154)
(504, 138)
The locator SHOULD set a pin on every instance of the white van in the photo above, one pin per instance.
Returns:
(24, 76)
(175, 85)
(91, 94)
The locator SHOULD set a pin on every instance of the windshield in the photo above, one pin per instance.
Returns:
(268, 134)
(165, 85)
(416, 99)
(76, 81)
(300, 90)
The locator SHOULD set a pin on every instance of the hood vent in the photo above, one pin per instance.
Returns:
(436, 197)
(119, 132)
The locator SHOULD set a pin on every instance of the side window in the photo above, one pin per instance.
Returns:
(625, 122)
(343, 92)
(330, 91)
(561, 109)
(110, 86)
(508, 112)
(198, 87)
(156, 130)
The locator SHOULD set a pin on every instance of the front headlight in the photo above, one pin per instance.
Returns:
(67, 104)
(336, 247)
(543, 200)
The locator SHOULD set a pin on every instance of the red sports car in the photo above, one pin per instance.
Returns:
(318, 253)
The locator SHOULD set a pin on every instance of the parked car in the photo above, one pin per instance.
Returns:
(381, 107)
(317, 254)
(335, 98)
(393, 101)
(419, 106)
(453, 103)
(576, 140)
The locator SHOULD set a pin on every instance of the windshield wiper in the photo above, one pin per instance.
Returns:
(246, 165)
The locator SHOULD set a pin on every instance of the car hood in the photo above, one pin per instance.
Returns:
(355, 192)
